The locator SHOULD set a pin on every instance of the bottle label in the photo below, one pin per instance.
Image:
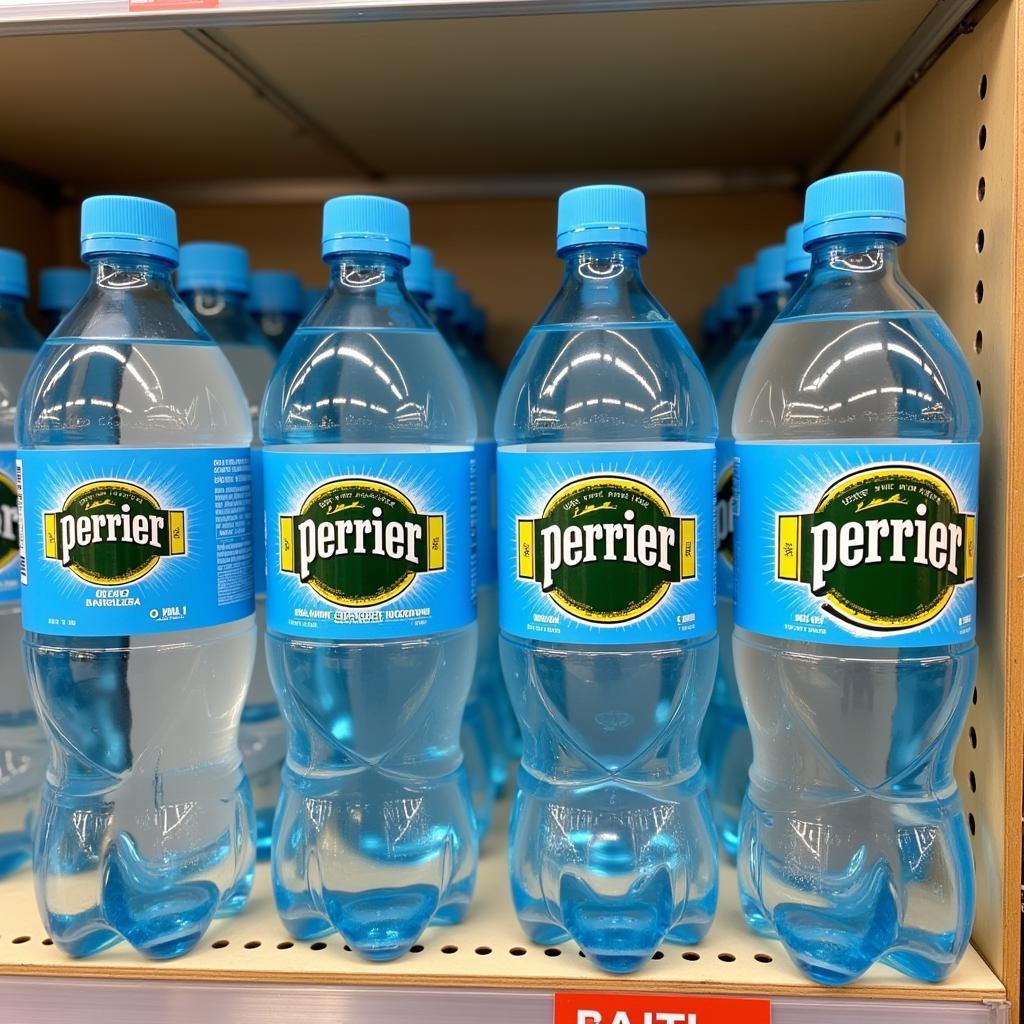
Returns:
(10, 582)
(607, 547)
(364, 545)
(863, 544)
(259, 526)
(725, 451)
(129, 541)
(486, 523)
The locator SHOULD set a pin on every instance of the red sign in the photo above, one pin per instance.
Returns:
(138, 6)
(604, 1008)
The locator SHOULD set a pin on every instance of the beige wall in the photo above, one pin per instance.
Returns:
(504, 250)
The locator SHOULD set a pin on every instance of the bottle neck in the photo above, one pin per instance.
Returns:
(603, 283)
(875, 255)
(129, 271)
(131, 297)
(368, 290)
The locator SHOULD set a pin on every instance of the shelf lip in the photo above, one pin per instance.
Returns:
(23, 17)
(84, 972)
(119, 1002)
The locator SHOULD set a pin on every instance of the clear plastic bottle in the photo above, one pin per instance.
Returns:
(727, 335)
(277, 302)
(479, 733)
(857, 429)
(213, 279)
(135, 499)
(23, 748)
(60, 288)
(726, 736)
(368, 431)
(608, 645)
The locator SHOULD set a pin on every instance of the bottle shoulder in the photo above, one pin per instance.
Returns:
(858, 374)
(586, 382)
(141, 392)
(367, 385)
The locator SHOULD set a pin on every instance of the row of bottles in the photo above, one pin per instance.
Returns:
(410, 556)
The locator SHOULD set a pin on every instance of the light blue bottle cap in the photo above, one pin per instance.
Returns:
(275, 291)
(60, 288)
(798, 259)
(710, 320)
(419, 275)
(365, 224)
(128, 224)
(13, 274)
(727, 303)
(478, 324)
(602, 213)
(862, 202)
(463, 313)
(770, 270)
(217, 266)
(746, 286)
(444, 290)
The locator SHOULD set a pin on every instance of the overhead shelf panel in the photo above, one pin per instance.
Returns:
(716, 95)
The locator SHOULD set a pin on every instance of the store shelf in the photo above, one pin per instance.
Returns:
(467, 107)
(88, 15)
(254, 949)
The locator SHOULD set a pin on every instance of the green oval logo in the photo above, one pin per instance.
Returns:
(884, 549)
(607, 549)
(112, 532)
(359, 543)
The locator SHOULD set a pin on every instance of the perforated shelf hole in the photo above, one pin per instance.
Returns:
(449, 949)
(416, 949)
(763, 958)
(286, 945)
(727, 958)
(972, 735)
(483, 951)
(317, 946)
(982, 136)
(253, 944)
(20, 939)
(658, 955)
(220, 944)
(691, 956)
(983, 87)
(552, 951)
(519, 951)
(981, 189)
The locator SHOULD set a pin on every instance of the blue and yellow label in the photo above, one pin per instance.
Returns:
(118, 541)
(606, 547)
(366, 545)
(863, 544)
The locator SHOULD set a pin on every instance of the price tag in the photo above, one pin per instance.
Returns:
(140, 6)
(605, 1008)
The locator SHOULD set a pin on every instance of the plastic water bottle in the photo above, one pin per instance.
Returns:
(857, 430)
(136, 569)
(798, 259)
(368, 433)
(277, 302)
(60, 288)
(726, 736)
(606, 431)
(453, 312)
(23, 748)
(213, 278)
(479, 734)
(727, 324)
(710, 322)
(310, 297)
